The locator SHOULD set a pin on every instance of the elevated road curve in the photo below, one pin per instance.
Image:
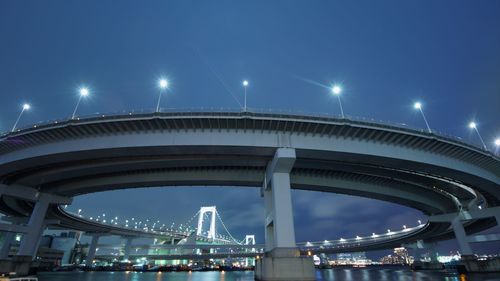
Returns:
(435, 174)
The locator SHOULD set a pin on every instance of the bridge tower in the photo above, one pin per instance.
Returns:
(213, 212)
(250, 240)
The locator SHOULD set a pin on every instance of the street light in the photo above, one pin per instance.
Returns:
(25, 107)
(163, 85)
(473, 126)
(497, 142)
(83, 93)
(337, 90)
(418, 106)
(245, 85)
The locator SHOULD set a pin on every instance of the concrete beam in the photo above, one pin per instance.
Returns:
(31, 194)
(467, 215)
(283, 162)
(483, 238)
(15, 228)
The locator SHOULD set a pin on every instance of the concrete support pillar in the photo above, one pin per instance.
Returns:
(432, 252)
(30, 240)
(91, 251)
(127, 248)
(280, 231)
(8, 238)
(282, 260)
(461, 237)
(416, 254)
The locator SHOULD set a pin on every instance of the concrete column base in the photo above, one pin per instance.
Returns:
(284, 264)
(472, 264)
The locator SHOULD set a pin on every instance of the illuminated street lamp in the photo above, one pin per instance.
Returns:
(497, 142)
(25, 107)
(163, 85)
(473, 126)
(83, 93)
(245, 85)
(337, 90)
(418, 106)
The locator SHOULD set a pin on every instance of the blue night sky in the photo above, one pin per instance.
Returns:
(386, 54)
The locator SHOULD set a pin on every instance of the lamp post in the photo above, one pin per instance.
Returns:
(337, 90)
(163, 85)
(83, 93)
(418, 106)
(245, 85)
(473, 126)
(25, 107)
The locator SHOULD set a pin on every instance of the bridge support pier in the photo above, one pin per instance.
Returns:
(91, 251)
(127, 248)
(30, 240)
(282, 260)
(8, 238)
(461, 237)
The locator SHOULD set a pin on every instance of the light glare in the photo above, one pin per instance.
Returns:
(245, 83)
(472, 125)
(417, 105)
(497, 142)
(163, 83)
(84, 92)
(26, 106)
(336, 89)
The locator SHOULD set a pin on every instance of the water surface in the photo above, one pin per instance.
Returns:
(323, 275)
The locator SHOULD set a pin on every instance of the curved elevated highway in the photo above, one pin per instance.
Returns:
(435, 174)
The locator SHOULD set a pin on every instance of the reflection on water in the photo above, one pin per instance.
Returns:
(371, 274)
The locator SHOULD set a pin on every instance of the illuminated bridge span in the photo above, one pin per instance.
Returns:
(457, 185)
(215, 251)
